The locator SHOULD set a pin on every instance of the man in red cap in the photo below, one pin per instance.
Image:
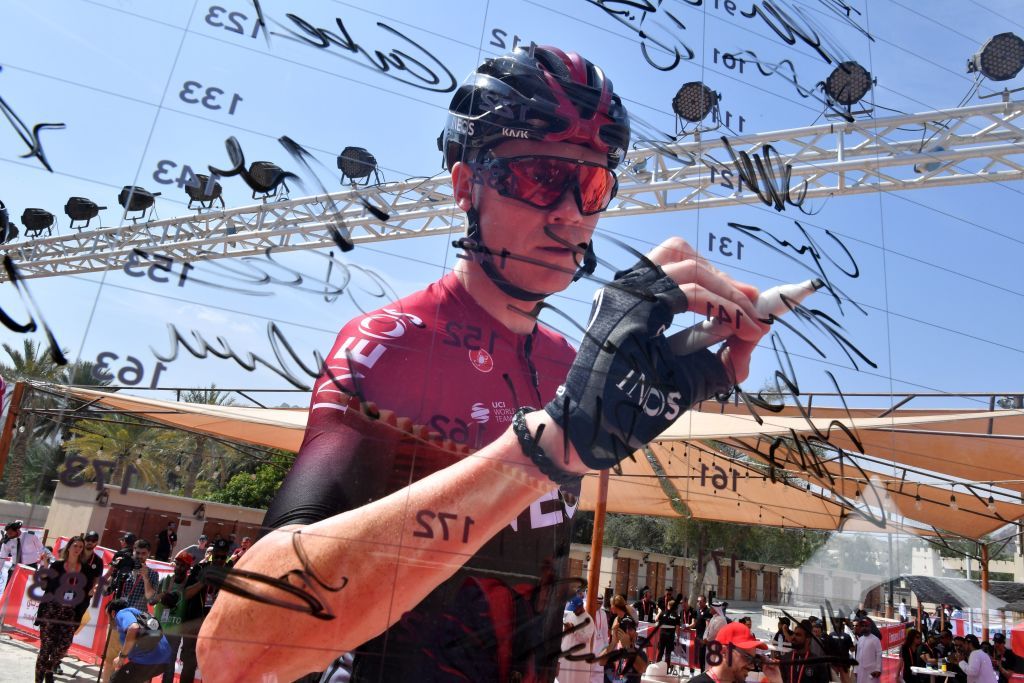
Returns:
(731, 656)
(179, 608)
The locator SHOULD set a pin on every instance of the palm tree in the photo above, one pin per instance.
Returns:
(32, 362)
(129, 446)
(201, 445)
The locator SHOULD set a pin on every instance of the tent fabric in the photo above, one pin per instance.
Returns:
(664, 481)
(271, 427)
(961, 592)
(950, 449)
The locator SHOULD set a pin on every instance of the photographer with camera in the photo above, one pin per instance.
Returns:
(133, 582)
(178, 609)
(143, 649)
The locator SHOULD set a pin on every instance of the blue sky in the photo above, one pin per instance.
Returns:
(938, 268)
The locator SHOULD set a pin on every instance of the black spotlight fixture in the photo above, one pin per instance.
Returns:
(694, 102)
(8, 230)
(266, 179)
(134, 198)
(848, 84)
(81, 209)
(37, 220)
(205, 191)
(1000, 58)
(356, 164)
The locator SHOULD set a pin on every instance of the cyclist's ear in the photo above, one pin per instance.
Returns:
(462, 185)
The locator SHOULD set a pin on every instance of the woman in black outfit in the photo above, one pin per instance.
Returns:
(910, 655)
(65, 588)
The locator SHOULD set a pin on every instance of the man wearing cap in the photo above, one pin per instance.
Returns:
(218, 560)
(198, 549)
(177, 607)
(732, 655)
(978, 665)
(869, 653)
(21, 548)
(579, 628)
(1007, 663)
(795, 667)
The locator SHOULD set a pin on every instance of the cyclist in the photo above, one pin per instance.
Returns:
(428, 565)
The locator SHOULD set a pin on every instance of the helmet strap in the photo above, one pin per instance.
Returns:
(473, 242)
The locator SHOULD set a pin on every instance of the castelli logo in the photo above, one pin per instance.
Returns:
(481, 360)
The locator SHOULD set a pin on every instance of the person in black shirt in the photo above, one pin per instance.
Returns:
(645, 606)
(910, 656)
(623, 661)
(929, 650)
(668, 622)
(165, 542)
(1007, 663)
(704, 616)
(945, 647)
(795, 666)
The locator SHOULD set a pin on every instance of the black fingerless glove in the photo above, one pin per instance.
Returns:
(625, 386)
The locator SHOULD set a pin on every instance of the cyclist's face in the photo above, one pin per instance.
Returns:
(522, 230)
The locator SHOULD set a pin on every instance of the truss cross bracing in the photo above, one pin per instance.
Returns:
(983, 143)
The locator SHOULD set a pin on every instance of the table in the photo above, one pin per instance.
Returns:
(933, 673)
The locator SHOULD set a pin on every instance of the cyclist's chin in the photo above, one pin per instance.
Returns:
(546, 274)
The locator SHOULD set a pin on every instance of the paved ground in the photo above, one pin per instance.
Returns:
(18, 664)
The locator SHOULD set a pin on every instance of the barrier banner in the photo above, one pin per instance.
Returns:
(19, 611)
(892, 636)
(19, 614)
(683, 655)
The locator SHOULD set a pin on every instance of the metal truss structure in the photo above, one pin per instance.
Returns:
(976, 144)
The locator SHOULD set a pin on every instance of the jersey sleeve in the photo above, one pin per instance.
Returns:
(355, 449)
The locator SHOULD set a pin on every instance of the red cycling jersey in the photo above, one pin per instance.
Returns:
(439, 359)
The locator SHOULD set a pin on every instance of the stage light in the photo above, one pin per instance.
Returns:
(356, 163)
(81, 209)
(205, 191)
(848, 83)
(8, 230)
(1000, 58)
(266, 178)
(694, 101)
(135, 198)
(37, 220)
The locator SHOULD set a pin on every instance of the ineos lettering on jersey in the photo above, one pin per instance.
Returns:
(653, 401)
(387, 324)
(539, 518)
(514, 133)
(356, 349)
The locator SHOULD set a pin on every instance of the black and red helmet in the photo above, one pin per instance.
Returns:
(535, 93)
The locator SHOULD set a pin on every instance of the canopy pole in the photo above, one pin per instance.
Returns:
(920, 608)
(7, 436)
(984, 591)
(596, 544)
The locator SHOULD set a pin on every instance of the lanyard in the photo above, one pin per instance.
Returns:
(800, 671)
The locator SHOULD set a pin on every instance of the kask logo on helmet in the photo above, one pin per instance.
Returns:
(515, 133)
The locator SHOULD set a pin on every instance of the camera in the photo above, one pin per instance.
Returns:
(126, 564)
